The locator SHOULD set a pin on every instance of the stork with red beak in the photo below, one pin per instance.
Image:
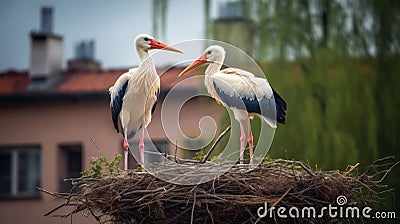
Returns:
(242, 92)
(135, 93)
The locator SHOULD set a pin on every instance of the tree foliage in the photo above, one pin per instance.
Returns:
(335, 62)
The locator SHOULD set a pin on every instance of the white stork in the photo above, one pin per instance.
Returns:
(242, 92)
(135, 93)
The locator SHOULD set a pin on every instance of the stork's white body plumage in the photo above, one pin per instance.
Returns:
(236, 82)
(242, 92)
(135, 93)
(141, 95)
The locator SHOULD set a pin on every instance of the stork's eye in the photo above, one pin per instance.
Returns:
(146, 39)
(208, 52)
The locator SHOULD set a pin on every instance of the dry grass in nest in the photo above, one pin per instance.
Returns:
(139, 197)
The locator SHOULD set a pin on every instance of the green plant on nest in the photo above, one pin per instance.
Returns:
(101, 165)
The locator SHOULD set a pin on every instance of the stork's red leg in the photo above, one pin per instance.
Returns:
(141, 146)
(126, 153)
(242, 139)
(250, 141)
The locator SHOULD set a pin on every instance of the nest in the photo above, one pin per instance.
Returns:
(235, 197)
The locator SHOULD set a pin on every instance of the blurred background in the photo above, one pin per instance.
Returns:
(335, 62)
(337, 65)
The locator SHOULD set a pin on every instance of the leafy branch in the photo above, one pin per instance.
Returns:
(101, 165)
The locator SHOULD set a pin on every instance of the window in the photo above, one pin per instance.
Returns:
(70, 165)
(20, 171)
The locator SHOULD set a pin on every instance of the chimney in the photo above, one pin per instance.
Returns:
(84, 57)
(46, 50)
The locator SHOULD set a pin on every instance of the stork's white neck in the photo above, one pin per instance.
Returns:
(146, 69)
(216, 65)
(213, 68)
(143, 55)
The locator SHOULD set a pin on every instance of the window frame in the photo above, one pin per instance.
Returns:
(63, 172)
(15, 152)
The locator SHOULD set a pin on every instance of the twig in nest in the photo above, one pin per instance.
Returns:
(388, 171)
(375, 163)
(308, 170)
(95, 145)
(215, 144)
(176, 149)
(277, 201)
(55, 209)
(194, 205)
(350, 169)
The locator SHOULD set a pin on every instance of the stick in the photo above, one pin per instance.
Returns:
(97, 147)
(194, 205)
(58, 195)
(297, 163)
(280, 199)
(348, 171)
(388, 171)
(55, 209)
(176, 149)
(376, 162)
(215, 144)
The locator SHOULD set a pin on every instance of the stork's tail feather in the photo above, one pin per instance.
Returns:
(281, 108)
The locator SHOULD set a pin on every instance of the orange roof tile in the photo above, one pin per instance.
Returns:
(169, 79)
(13, 82)
(91, 81)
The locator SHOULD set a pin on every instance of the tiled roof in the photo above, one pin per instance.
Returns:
(13, 82)
(169, 78)
(91, 81)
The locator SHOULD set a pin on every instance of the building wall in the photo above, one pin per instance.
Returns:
(51, 124)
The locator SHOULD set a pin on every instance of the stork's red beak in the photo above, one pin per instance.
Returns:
(195, 64)
(154, 44)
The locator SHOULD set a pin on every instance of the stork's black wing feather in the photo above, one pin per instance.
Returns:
(116, 105)
(263, 107)
(281, 107)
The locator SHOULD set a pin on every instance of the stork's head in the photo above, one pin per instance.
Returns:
(147, 42)
(212, 54)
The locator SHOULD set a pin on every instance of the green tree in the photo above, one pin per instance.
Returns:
(335, 62)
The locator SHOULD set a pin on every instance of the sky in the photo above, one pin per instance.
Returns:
(113, 25)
